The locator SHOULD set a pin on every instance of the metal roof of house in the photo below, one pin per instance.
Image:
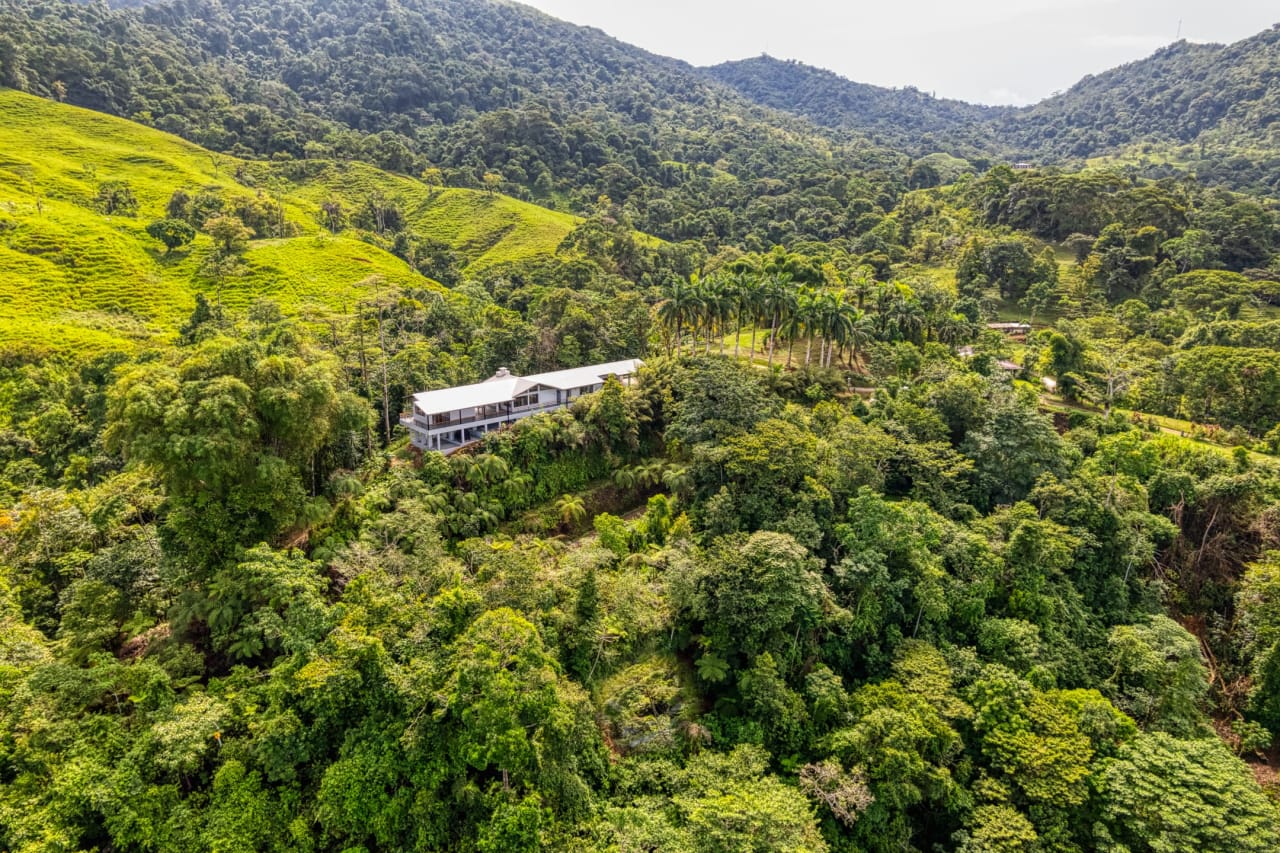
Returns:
(579, 377)
(504, 387)
(469, 396)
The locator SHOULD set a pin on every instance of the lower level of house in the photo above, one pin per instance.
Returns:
(451, 435)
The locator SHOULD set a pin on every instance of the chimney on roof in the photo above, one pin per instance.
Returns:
(502, 373)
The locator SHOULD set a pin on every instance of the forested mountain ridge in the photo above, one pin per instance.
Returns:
(905, 119)
(560, 114)
(1210, 109)
(1223, 95)
(555, 113)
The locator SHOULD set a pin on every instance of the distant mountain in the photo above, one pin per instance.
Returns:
(481, 90)
(1212, 108)
(1183, 93)
(906, 119)
(759, 150)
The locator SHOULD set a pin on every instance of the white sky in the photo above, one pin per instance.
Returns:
(985, 51)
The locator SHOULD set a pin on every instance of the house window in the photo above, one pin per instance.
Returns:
(441, 418)
(522, 400)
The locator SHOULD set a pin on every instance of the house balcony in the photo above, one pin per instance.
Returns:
(456, 432)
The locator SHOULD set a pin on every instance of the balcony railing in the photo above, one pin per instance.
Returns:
(408, 419)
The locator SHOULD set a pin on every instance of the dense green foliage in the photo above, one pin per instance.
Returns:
(827, 630)
(904, 119)
(1211, 106)
(485, 94)
(849, 565)
(1206, 109)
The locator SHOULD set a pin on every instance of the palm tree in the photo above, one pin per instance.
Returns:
(468, 515)
(558, 423)
(906, 315)
(699, 309)
(828, 321)
(460, 466)
(936, 304)
(625, 478)
(861, 332)
(547, 547)
(740, 286)
(953, 328)
(780, 303)
(839, 323)
(571, 509)
(753, 304)
(490, 511)
(724, 303)
(487, 468)
(517, 486)
(650, 474)
(577, 435)
(862, 283)
(640, 559)
(808, 311)
(884, 298)
(540, 427)
(677, 478)
(713, 310)
(435, 501)
(790, 327)
(673, 312)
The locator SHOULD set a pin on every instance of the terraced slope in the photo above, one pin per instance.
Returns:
(485, 228)
(73, 279)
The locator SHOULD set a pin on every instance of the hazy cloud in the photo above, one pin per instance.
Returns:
(1146, 43)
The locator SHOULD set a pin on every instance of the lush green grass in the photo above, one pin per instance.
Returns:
(76, 281)
(486, 229)
(939, 275)
(492, 229)
(1183, 429)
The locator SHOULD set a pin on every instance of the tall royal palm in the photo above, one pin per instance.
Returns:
(697, 308)
(673, 312)
(839, 326)
(725, 299)
(954, 328)
(792, 326)
(708, 310)
(861, 332)
(740, 291)
(780, 304)
(883, 297)
(805, 319)
(862, 283)
(754, 305)
(907, 316)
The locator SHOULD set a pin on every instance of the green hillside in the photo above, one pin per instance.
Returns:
(1205, 109)
(905, 119)
(485, 92)
(75, 279)
(486, 229)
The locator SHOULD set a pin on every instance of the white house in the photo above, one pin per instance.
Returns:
(450, 418)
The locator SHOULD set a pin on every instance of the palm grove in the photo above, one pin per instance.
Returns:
(844, 570)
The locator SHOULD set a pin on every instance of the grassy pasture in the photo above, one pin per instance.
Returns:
(76, 281)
